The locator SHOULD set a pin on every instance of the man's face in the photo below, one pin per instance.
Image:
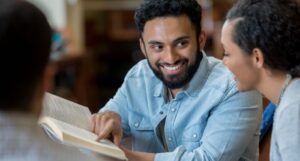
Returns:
(171, 47)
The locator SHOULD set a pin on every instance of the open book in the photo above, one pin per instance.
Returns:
(70, 123)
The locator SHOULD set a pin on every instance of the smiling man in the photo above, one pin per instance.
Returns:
(179, 104)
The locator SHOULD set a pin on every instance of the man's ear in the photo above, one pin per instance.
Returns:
(202, 40)
(257, 58)
(142, 46)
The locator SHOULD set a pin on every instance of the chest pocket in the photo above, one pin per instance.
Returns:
(143, 133)
(191, 137)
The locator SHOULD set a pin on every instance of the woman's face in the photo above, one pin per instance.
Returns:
(241, 64)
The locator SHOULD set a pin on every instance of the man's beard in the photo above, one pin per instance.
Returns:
(176, 81)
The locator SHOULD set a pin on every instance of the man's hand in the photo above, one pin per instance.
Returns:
(107, 125)
(138, 156)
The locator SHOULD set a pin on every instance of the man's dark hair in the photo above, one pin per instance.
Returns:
(151, 9)
(273, 26)
(25, 39)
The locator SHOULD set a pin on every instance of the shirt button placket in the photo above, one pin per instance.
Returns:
(173, 109)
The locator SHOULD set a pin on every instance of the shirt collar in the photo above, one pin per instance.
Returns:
(158, 90)
(197, 82)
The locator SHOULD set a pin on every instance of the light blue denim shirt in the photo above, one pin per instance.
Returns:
(285, 140)
(208, 120)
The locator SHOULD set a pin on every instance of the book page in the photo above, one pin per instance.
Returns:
(81, 133)
(66, 111)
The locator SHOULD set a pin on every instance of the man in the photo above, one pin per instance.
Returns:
(25, 38)
(179, 104)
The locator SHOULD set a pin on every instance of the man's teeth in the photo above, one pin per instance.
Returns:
(172, 67)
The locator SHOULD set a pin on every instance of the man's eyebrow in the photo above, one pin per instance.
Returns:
(153, 42)
(181, 38)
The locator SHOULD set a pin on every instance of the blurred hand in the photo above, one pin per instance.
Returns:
(107, 125)
(138, 156)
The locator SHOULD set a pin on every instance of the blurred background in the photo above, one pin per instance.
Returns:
(95, 43)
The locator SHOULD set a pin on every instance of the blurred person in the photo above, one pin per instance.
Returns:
(25, 39)
(179, 104)
(261, 39)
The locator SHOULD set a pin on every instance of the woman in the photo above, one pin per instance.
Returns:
(261, 39)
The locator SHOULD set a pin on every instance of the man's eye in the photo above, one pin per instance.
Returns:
(182, 43)
(156, 47)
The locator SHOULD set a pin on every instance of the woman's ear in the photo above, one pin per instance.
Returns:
(257, 58)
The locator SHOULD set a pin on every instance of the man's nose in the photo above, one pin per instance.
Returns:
(171, 56)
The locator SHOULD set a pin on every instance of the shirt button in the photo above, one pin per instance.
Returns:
(161, 112)
(170, 139)
(136, 124)
(173, 109)
(194, 135)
